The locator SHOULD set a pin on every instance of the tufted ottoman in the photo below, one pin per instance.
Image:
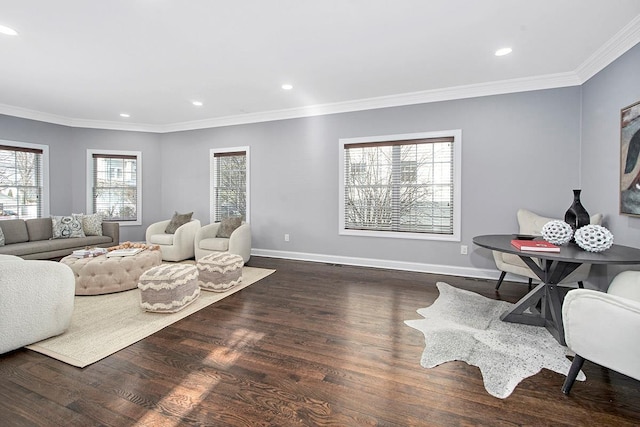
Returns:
(102, 275)
(219, 272)
(168, 288)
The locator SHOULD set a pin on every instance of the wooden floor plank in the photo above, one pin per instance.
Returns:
(312, 344)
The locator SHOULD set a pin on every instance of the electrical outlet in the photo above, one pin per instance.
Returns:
(464, 249)
(286, 237)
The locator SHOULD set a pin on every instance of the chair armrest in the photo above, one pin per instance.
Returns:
(111, 229)
(186, 234)
(156, 228)
(206, 232)
(603, 328)
(240, 241)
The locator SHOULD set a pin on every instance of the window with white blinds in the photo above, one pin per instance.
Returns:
(403, 186)
(22, 180)
(229, 183)
(115, 185)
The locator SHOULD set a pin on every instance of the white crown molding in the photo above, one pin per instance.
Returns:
(447, 270)
(625, 39)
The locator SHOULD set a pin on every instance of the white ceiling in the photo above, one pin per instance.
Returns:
(83, 62)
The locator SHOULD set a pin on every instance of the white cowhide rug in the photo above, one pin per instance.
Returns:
(462, 325)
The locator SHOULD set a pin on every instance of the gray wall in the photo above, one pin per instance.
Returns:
(603, 96)
(67, 163)
(517, 148)
(526, 150)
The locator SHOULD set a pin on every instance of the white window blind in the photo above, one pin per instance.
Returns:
(115, 186)
(229, 186)
(21, 182)
(404, 186)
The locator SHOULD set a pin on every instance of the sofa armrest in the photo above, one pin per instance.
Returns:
(111, 229)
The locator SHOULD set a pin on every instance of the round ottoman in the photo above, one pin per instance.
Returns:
(102, 275)
(168, 288)
(219, 272)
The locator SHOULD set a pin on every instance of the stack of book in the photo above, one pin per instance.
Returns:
(88, 253)
(535, 245)
(124, 252)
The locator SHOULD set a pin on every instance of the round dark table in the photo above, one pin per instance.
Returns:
(554, 267)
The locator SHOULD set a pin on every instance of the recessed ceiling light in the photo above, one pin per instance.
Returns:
(504, 51)
(197, 103)
(8, 31)
(125, 115)
(287, 86)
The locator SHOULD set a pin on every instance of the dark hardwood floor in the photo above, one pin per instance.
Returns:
(312, 344)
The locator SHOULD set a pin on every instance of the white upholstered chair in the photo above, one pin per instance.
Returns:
(531, 224)
(36, 300)
(177, 246)
(239, 243)
(603, 327)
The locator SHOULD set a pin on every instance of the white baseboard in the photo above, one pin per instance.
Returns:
(449, 270)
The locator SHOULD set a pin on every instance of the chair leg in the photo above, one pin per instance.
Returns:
(573, 373)
(581, 285)
(530, 283)
(504, 273)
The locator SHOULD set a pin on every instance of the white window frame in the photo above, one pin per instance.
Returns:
(212, 180)
(138, 155)
(457, 186)
(44, 208)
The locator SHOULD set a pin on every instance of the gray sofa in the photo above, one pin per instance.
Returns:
(32, 239)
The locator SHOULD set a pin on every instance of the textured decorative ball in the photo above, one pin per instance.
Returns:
(557, 232)
(594, 238)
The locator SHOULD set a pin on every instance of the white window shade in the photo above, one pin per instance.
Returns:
(229, 186)
(21, 182)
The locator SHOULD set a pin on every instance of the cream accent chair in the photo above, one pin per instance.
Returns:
(177, 246)
(36, 300)
(239, 243)
(531, 224)
(603, 327)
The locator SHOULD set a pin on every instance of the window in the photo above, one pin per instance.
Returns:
(23, 180)
(405, 186)
(229, 183)
(115, 185)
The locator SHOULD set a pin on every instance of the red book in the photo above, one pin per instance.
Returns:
(535, 245)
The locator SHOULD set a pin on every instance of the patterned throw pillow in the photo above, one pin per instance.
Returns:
(65, 227)
(176, 221)
(228, 226)
(92, 225)
(1, 237)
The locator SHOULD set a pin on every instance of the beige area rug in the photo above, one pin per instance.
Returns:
(104, 324)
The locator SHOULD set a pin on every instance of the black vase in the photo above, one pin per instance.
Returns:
(576, 216)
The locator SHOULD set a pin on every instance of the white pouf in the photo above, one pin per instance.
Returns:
(219, 272)
(168, 288)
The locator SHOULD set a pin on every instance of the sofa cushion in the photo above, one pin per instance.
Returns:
(176, 221)
(215, 244)
(65, 227)
(228, 226)
(92, 225)
(39, 229)
(15, 231)
(42, 246)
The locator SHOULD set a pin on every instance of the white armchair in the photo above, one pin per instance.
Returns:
(603, 327)
(239, 243)
(36, 300)
(531, 224)
(177, 246)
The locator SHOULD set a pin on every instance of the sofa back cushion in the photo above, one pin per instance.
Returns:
(39, 229)
(14, 230)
